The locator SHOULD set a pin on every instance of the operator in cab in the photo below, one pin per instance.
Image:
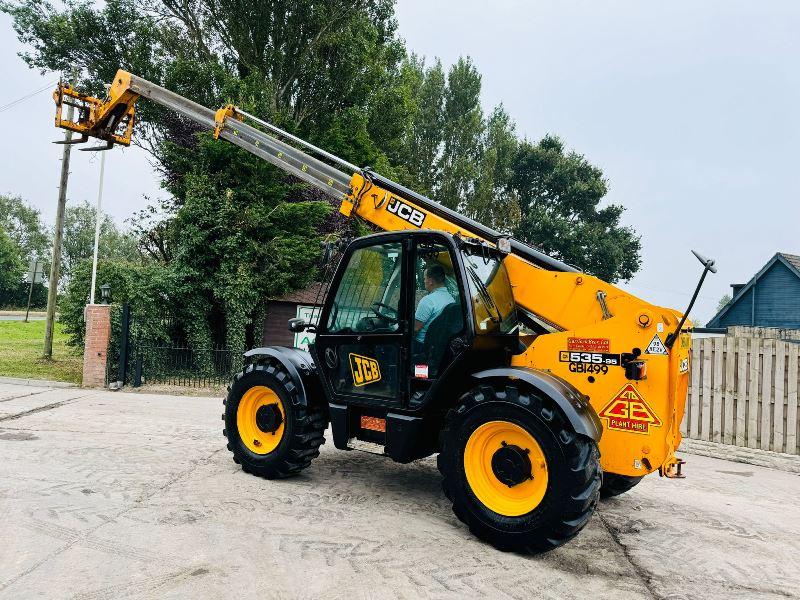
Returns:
(431, 305)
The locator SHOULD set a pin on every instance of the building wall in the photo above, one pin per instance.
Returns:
(778, 298)
(777, 302)
(276, 329)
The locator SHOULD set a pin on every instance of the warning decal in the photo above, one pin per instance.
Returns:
(656, 346)
(629, 412)
(589, 344)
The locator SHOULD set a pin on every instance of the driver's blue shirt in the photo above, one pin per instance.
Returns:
(430, 307)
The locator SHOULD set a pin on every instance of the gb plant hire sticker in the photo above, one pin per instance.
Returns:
(629, 412)
(656, 346)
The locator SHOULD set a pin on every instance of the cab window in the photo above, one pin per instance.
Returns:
(368, 297)
(438, 314)
(490, 293)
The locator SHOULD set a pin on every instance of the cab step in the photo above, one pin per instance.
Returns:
(363, 446)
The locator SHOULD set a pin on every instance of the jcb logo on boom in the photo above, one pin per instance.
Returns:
(364, 369)
(406, 212)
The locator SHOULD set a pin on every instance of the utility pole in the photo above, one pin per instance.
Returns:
(56, 262)
(34, 273)
(97, 221)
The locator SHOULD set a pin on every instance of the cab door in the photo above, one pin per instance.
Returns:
(359, 348)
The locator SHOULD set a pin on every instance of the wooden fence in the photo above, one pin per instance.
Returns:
(743, 391)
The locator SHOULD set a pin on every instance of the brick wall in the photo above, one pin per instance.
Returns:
(95, 350)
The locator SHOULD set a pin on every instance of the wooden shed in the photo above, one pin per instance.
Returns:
(299, 303)
(770, 299)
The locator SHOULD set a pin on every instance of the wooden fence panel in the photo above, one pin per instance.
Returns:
(729, 390)
(791, 400)
(753, 393)
(778, 424)
(716, 390)
(765, 400)
(744, 391)
(694, 396)
(705, 404)
(741, 392)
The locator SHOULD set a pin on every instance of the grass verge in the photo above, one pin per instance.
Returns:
(21, 346)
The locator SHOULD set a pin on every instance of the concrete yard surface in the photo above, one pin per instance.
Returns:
(116, 495)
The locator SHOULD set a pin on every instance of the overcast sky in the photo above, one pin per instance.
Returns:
(690, 108)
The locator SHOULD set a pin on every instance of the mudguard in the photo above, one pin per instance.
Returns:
(299, 365)
(573, 404)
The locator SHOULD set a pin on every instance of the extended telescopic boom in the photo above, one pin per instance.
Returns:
(113, 120)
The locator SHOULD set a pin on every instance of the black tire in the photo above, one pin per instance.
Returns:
(614, 485)
(573, 464)
(304, 426)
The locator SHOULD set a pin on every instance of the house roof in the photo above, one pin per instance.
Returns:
(311, 295)
(792, 261)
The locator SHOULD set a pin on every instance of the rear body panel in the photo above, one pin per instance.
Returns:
(641, 419)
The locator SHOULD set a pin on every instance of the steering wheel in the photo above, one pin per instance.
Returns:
(391, 318)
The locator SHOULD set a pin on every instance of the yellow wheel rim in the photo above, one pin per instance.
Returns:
(509, 501)
(247, 419)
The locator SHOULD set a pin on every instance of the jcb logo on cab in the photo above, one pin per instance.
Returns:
(364, 369)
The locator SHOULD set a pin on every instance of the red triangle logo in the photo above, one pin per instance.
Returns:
(628, 411)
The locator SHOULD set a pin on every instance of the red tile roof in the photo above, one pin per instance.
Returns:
(311, 295)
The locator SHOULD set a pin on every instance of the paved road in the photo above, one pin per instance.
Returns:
(21, 318)
(114, 495)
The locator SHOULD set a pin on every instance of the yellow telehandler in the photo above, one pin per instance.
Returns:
(541, 388)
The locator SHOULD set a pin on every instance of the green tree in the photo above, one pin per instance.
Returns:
(245, 236)
(427, 128)
(463, 128)
(78, 244)
(723, 302)
(12, 267)
(559, 197)
(149, 289)
(24, 225)
(493, 203)
(234, 229)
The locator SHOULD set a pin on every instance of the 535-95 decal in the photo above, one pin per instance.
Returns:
(589, 362)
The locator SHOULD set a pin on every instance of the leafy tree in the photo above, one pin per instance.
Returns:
(559, 196)
(12, 267)
(494, 203)
(78, 244)
(463, 127)
(723, 302)
(427, 128)
(149, 288)
(234, 229)
(23, 223)
(245, 236)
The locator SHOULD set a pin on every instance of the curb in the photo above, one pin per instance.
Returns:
(37, 382)
(751, 456)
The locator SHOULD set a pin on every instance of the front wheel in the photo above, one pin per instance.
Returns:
(515, 471)
(270, 432)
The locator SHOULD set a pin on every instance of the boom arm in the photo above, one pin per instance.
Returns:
(362, 193)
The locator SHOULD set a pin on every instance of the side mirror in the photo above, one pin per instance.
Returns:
(299, 325)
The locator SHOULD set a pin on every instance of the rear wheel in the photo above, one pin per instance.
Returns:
(515, 471)
(270, 432)
(614, 485)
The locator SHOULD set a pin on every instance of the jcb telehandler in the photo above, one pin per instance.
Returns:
(541, 388)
